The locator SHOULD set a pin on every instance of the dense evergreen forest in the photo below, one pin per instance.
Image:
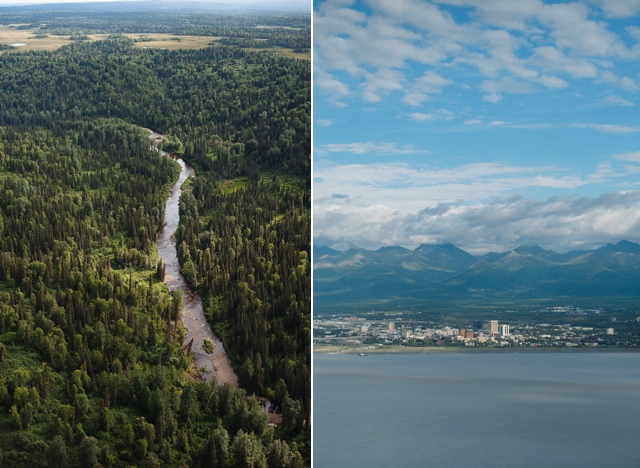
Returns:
(93, 368)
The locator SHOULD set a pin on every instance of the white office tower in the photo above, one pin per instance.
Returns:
(504, 330)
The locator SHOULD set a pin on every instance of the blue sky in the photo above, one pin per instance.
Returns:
(485, 123)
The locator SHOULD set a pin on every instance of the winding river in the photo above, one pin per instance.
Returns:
(215, 364)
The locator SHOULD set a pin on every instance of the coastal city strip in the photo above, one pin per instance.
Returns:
(358, 331)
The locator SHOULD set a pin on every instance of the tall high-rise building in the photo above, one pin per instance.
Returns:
(491, 326)
(391, 326)
(504, 330)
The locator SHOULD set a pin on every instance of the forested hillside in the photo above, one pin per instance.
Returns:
(93, 367)
(442, 276)
(248, 253)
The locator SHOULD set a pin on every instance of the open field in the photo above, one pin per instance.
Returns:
(166, 41)
(286, 52)
(231, 185)
(11, 35)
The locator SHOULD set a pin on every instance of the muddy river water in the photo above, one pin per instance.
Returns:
(211, 365)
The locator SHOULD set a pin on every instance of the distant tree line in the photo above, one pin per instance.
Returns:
(284, 30)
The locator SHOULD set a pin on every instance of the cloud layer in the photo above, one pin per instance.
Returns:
(560, 223)
(473, 206)
(513, 47)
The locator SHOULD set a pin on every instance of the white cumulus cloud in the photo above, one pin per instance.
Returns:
(369, 147)
(559, 223)
(516, 47)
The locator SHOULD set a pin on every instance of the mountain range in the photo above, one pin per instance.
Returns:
(447, 273)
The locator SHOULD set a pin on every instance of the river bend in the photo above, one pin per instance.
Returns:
(215, 364)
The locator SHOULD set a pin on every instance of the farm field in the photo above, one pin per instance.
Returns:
(9, 34)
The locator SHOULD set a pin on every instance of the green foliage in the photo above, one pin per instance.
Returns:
(58, 452)
(291, 413)
(92, 370)
(215, 453)
(246, 451)
(281, 455)
(172, 144)
(141, 447)
(89, 451)
(251, 261)
(190, 272)
(80, 343)
(16, 420)
(216, 102)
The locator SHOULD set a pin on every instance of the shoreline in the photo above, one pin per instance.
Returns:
(335, 350)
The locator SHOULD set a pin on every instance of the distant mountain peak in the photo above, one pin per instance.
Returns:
(390, 248)
(622, 246)
(324, 250)
(437, 247)
(530, 250)
(627, 246)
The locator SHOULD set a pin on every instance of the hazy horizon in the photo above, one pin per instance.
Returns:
(293, 5)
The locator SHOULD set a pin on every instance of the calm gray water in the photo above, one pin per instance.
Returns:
(528, 409)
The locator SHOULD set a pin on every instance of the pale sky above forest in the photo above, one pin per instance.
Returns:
(43, 2)
(296, 3)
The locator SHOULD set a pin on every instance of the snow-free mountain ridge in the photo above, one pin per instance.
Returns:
(445, 271)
